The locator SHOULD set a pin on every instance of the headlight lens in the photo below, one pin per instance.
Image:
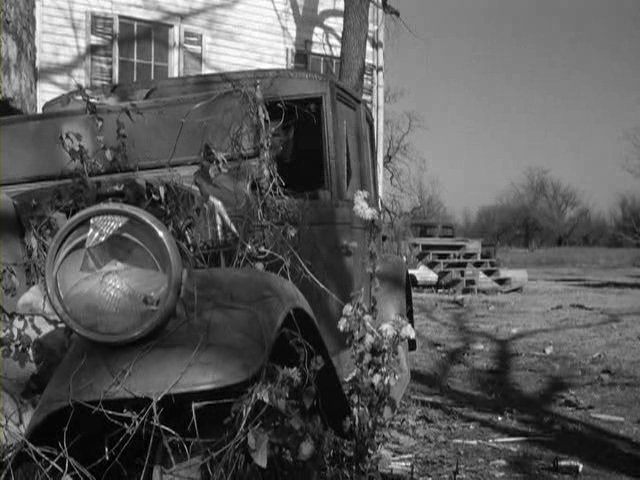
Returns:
(113, 273)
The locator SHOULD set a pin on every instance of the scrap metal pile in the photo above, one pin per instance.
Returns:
(445, 262)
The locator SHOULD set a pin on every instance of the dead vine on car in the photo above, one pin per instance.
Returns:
(274, 429)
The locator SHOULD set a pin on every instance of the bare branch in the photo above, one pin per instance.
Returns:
(386, 8)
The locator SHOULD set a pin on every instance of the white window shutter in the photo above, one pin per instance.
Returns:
(101, 50)
(192, 52)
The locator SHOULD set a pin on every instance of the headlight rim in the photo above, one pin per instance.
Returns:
(174, 272)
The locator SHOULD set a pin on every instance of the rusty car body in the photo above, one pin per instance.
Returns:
(219, 342)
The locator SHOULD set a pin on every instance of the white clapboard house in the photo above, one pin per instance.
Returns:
(96, 42)
(92, 43)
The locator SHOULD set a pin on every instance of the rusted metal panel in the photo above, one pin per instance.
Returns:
(228, 335)
(167, 127)
(222, 334)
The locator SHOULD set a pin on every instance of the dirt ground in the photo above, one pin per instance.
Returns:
(502, 385)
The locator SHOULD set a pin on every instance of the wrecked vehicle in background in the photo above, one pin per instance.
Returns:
(168, 217)
(447, 262)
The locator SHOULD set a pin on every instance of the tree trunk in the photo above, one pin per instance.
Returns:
(354, 43)
(18, 50)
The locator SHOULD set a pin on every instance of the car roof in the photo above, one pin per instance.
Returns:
(273, 82)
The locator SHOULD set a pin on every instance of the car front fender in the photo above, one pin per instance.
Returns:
(394, 298)
(393, 293)
(222, 334)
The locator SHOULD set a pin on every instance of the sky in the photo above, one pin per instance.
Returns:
(507, 84)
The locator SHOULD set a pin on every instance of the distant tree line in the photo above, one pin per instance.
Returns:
(626, 216)
(536, 210)
(539, 210)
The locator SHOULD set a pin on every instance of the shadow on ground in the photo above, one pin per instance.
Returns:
(597, 284)
(495, 391)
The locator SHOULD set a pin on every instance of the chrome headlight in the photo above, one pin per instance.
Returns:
(113, 273)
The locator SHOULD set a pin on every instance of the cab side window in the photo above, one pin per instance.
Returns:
(297, 145)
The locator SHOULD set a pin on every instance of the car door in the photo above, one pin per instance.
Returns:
(319, 157)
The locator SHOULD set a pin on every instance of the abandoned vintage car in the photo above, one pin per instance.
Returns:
(156, 202)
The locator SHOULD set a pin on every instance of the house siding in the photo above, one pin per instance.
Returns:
(237, 34)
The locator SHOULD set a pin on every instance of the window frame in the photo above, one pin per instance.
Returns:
(175, 44)
(305, 64)
(116, 46)
(329, 188)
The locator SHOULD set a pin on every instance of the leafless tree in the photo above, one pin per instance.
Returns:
(563, 209)
(626, 217)
(410, 190)
(399, 153)
(543, 208)
(354, 43)
(632, 164)
(429, 204)
(353, 47)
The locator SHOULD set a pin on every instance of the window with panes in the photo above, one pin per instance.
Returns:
(143, 50)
